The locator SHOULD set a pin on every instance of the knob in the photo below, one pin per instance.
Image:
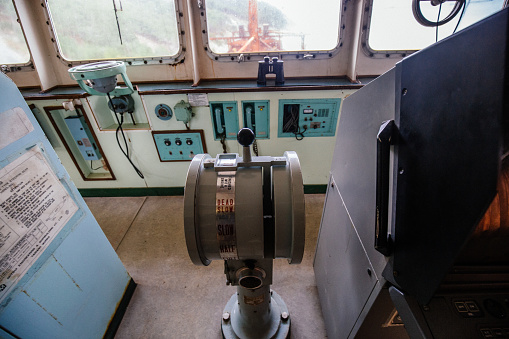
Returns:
(495, 308)
(178, 142)
(167, 142)
(189, 141)
(245, 137)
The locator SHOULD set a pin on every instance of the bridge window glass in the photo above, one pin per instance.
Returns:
(392, 26)
(264, 26)
(13, 47)
(116, 29)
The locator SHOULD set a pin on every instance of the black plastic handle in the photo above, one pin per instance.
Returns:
(385, 139)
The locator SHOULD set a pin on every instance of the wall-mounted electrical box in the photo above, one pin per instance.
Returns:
(179, 145)
(256, 116)
(225, 119)
(83, 138)
(106, 120)
(183, 111)
(75, 133)
(308, 117)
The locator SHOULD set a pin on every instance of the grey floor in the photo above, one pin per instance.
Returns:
(176, 299)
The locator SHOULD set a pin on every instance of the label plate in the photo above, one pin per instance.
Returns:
(225, 215)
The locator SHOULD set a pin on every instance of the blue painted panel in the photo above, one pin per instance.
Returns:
(73, 288)
(83, 138)
(5, 335)
(64, 297)
(225, 119)
(178, 145)
(256, 114)
(308, 117)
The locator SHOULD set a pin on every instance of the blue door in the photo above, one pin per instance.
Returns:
(59, 275)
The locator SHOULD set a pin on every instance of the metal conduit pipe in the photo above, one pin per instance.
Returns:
(194, 47)
(356, 32)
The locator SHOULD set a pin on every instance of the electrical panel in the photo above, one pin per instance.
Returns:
(183, 111)
(256, 116)
(225, 119)
(83, 137)
(179, 145)
(308, 117)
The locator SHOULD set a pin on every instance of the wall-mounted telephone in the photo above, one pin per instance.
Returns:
(219, 114)
(256, 117)
(225, 119)
(249, 117)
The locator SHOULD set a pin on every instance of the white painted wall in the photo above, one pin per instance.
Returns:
(315, 153)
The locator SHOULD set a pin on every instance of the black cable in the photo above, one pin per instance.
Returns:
(116, 17)
(255, 147)
(461, 17)
(92, 168)
(298, 134)
(187, 126)
(293, 124)
(223, 143)
(438, 20)
(416, 9)
(119, 128)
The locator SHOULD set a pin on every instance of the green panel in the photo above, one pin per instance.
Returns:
(178, 146)
(131, 191)
(164, 191)
(225, 119)
(315, 189)
(256, 114)
(308, 117)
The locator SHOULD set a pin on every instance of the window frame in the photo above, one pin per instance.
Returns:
(23, 67)
(171, 60)
(379, 54)
(282, 55)
(372, 53)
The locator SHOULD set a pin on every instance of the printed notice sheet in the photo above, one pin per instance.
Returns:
(34, 207)
(14, 124)
(198, 99)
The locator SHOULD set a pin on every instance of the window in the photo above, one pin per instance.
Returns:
(393, 28)
(259, 27)
(13, 47)
(139, 32)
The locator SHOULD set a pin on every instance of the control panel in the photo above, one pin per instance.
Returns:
(225, 119)
(476, 315)
(179, 145)
(308, 117)
(256, 116)
(83, 137)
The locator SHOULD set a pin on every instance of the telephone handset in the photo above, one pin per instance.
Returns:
(219, 115)
(250, 118)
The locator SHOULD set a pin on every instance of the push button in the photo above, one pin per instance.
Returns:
(486, 333)
(498, 333)
(468, 309)
(472, 306)
(460, 306)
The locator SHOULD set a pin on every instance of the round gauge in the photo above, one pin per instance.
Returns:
(163, 112)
